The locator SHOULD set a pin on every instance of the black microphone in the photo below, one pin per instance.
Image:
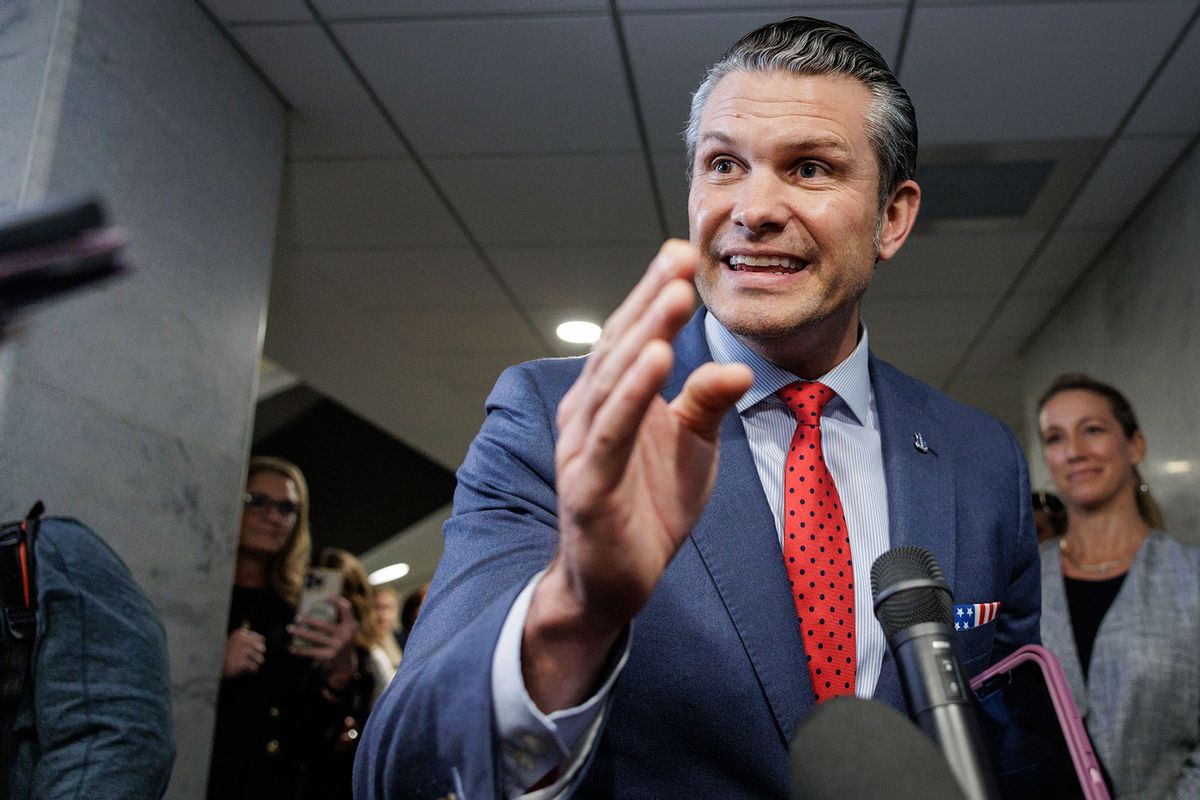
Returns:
(914, 606)
(849, 748)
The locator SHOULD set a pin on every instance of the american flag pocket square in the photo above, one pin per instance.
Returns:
(972, 615)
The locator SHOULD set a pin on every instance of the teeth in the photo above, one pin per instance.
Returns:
(784, 263)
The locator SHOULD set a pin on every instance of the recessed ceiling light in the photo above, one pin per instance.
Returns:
(578, 332)
(1177, 467)
(388, 574)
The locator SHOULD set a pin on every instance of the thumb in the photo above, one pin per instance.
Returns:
(710, 391)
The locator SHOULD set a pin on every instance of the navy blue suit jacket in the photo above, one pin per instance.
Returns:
(716, 680)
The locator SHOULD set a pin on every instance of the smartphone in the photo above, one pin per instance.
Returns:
(1030, 723)
(322, 585)
(55, 249)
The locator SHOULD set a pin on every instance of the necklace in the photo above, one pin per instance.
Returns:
(1100, 567)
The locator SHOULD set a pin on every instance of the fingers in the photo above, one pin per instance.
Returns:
(658, 324)
(615, 428)
(633, 324)
(709, 393)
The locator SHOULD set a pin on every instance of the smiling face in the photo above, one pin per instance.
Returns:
(784, 209)
(1090, 458)
(265, 531)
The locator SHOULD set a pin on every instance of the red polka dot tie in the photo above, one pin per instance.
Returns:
(816, 548)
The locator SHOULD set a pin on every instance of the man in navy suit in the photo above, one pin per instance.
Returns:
(612, 616)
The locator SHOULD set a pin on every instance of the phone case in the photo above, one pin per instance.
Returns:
(1087, 767)
(321, 586)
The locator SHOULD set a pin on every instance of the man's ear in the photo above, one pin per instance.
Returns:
(898, 218)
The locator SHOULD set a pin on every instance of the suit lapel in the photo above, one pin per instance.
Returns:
(738, 545)
(920, 488)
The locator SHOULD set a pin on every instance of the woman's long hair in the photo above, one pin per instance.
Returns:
(1147, 507)
(285, 573)
(357, 590)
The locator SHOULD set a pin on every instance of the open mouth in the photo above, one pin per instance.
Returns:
(767, 265)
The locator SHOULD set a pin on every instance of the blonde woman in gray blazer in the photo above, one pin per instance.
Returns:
(1120, 598)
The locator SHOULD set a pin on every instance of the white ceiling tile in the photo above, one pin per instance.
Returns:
(433, 332)
(1173, 104)
(518, 85)
(1067, 254)
(552, 199)
(258, 11)
(573, 279)
(1128, 172)
(941, 264)
(946, 321)
(396, 279)
(1023, 312)
(332, 203)
(448, 8)
(925, 361)
(333, 115)
(671, 52)
(670, 169)
(997, 73)
(781, 10)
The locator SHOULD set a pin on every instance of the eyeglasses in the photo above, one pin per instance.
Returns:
(260, 502)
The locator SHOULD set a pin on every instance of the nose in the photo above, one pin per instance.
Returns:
(1071, 447)
(759, 208)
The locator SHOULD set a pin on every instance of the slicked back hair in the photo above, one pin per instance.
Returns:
(807, 46)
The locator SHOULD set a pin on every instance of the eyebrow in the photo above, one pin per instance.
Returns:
(822, 143)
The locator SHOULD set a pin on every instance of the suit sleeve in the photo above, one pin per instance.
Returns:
(432, 732)
(1019, 622)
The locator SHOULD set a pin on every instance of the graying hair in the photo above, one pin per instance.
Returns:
(807, 46)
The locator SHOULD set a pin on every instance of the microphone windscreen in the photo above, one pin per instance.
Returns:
(851, 748)
(909, 589)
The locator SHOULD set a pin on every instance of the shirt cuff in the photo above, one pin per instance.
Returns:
(533, 743)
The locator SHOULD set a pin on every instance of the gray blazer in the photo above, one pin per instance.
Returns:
(1141, 702)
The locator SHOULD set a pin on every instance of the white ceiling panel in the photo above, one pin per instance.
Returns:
(519, 85)
(399, 279)
(552, 199)
(450, 8)
(573, 278)
(1127, 173)
(997, 73)
(670, 169)
(258, 11)
(947, 321)
(781, 10)
(385, 202)
(934, 265)
(1068, 253)
(930, 362)
(333, 115)
(433, 332)
(671, 52)
(1173, 104)
(1022, 314)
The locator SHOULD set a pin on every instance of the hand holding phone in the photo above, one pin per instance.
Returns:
(322, 587)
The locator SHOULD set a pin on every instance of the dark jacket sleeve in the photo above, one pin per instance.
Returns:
(432, 732)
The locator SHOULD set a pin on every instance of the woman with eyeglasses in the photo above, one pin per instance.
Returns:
(279, 692)
(1120, 598)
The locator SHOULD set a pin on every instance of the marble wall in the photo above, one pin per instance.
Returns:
(1135, 323)
(131, 407)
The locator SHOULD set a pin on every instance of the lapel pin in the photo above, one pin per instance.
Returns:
(919, 443)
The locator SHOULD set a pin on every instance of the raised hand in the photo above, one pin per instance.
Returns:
(634, 475)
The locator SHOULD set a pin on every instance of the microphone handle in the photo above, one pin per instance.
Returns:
(940, 701)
